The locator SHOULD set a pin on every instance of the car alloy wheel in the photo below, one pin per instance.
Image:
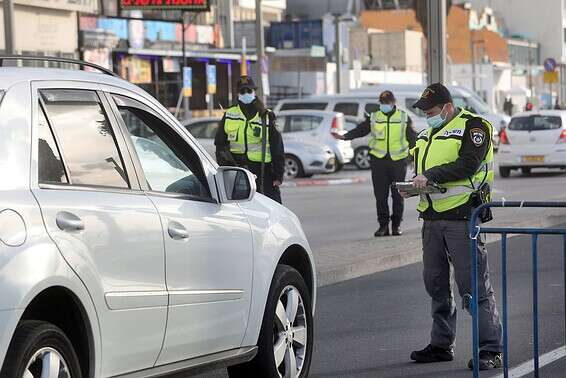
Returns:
(292, 168)
(362, 158)
(46, 363)
(290, 333)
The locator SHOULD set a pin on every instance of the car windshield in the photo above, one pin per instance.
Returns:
(535, 122)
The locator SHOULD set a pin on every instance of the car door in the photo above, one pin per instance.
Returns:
(209, 252)
(106, 228)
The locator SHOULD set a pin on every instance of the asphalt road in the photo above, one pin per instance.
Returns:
(366, 327)
(350, 215)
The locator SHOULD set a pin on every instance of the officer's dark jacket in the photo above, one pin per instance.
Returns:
(468, 162)
(364, 128)
(224, 157)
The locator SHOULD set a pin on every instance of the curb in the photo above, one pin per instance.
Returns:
(409, 251)
(323, 182)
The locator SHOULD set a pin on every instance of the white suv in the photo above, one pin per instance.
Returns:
(126, 251)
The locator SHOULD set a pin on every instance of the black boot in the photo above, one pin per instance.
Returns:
(382, 231)
(432, 354)
(396, 230)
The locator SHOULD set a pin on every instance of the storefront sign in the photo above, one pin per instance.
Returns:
(160, 31)
(185, 5)
(136, 70)
(136, 34)
(187, 81)
(211, 78)
(170, 65)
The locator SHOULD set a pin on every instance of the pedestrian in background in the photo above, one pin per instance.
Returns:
(456, 153)
(240, 141)
(392, 135)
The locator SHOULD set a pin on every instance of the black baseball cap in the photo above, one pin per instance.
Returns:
(434, 95)
(386, 96)
(246, 82)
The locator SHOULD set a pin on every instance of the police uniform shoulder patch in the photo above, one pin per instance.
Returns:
(478, 136)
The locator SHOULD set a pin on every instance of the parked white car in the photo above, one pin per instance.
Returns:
(362, 102)
(303, 158)
(533, 140)
(126, 251)
(317, 126)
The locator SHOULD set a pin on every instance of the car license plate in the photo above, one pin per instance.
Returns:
(533, 159)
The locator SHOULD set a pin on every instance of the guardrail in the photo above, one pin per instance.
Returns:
(475, 230)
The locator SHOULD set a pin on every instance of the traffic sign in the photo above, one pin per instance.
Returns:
(211, 78)
(549, 64)
(187, 81)
(551, 77)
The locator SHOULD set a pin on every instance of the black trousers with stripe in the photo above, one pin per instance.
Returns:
(385, 172)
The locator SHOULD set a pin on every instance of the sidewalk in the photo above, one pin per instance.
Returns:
(350, 260)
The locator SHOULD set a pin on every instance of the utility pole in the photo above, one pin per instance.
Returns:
(436, 28)
(9, 26)
(473, 60)
(259, 46)
(338, 56)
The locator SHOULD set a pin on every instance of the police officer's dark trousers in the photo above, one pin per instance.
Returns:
(385, 172)
(445, 243)
(269, 190)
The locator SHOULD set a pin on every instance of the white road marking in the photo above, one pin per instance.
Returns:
(528, 367)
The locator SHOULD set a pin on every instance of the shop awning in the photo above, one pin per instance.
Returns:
(207, 54)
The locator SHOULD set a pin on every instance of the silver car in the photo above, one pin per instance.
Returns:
(126, 251)
(317, 126)
(303, 158)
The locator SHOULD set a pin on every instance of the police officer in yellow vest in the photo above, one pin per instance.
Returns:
(392, 135)
(239, 139)
(455, 152)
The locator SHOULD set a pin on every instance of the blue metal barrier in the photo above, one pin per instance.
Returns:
(475, 230)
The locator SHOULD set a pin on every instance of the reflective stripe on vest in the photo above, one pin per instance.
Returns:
(388, 135)
(442, 148)
(245, 135)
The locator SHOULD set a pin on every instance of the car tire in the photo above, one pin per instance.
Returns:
(293, 167)
(504, 172)
(526, 170)
(34, 341)
(362, 158)
(338, 166)
(287, 283)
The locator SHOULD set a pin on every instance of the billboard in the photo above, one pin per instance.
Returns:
(185, 5)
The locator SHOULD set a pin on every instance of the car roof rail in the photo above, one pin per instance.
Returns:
(80, 63)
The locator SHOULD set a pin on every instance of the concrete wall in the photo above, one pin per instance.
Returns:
(42, 29)
(397, 50)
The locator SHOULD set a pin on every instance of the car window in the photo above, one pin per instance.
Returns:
(78, 119)
(462, 102)
(205, 130)
(371, 108)
(50, 164)
(409, 101)
(169, 164)
(535, 122)
(348, 108)
(350, 125)
(304, 105)
(302, 123)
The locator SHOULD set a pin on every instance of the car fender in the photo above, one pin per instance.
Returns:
(274, 228)
(26, 272)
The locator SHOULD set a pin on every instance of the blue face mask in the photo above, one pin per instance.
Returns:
(386, 108)
(436, 121)
(246, 98)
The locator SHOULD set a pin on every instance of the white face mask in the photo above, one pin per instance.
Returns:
(436, 121)
(247, 98)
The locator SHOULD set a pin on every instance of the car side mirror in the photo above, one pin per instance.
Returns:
(235, 184)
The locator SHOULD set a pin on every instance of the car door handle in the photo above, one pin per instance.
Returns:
(177, 231)
(69, 222)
